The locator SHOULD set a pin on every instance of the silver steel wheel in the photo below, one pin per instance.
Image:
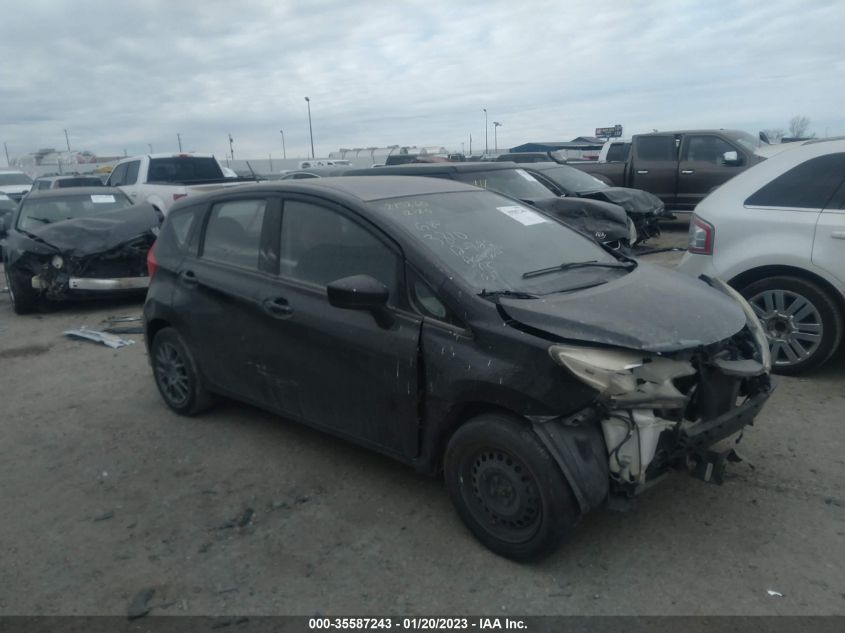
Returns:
(792, 323)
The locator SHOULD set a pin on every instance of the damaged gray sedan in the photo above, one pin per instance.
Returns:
(81, 242)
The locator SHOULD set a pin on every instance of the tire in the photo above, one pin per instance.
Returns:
(24, 298)
(507, 489)
(176, 375)
(801, 320)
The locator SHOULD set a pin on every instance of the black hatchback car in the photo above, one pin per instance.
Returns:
(460, 332)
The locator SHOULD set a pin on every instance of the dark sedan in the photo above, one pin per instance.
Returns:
(76, 242)
(606, 222)
(458, 331)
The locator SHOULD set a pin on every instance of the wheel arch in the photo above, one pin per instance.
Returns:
(154, 326)
(762, 272)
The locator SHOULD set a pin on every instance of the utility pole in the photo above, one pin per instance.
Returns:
(231, 151)
(284, 151)
(486, 147)
(470, 144)
(5, 147)
(179, 138)
(270, 155)
(150, 145)
(310, 131)
(496, 126)
(67, 141)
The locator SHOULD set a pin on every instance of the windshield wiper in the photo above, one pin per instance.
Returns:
(44, 220)
(513, 294)
(572, 265)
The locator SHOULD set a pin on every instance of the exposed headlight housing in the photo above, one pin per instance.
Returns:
(57, 262)
(753, 322)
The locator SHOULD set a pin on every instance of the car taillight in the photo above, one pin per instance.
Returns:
(176, 196)
(152, 263)
(701, 235)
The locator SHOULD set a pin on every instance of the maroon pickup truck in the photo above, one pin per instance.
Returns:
(680, 168)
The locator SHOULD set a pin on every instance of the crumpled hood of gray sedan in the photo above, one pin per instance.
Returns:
(650, 309)
(634, 201)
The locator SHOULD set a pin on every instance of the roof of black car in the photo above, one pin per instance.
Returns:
(428, 169)
(74, 192)
(544, 166)
(364, 188)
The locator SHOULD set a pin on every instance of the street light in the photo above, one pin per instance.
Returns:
(67, 140)
(496, 125)
(486, 147)
(284, 152)
(310, 131)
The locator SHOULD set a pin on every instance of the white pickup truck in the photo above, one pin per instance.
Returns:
(161, 179)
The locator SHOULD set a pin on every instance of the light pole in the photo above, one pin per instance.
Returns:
(150, 145)
(67, 141)
(179, 138)
(284, 151)
(310, 131)
(496, 125)
(231, 151)
(486, 147)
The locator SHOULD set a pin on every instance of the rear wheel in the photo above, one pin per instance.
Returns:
(802, 322)
(24, 297)
(176, 374)
(507, 489)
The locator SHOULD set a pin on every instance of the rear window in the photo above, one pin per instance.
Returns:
(618, 152)
(79, 182)
(184, 169)
(656, 148)
(809, 185)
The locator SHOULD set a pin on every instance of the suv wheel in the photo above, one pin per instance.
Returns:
(802, 322)
(507, 489)
(24, 299)
(176, 374)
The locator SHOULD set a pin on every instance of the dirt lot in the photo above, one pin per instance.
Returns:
(105, 493)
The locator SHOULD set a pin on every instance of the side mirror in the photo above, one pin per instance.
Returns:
(731, 158)
(361, 292)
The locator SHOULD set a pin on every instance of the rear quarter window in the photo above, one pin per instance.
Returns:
(810, 185)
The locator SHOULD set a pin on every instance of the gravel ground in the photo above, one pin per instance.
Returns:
(106, 494)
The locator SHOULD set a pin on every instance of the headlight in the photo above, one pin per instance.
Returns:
(57, 262)
(626, 377)
(753, 323)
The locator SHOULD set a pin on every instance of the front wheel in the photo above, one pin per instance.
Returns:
(507, 489)
(24, 298)
(802, 322)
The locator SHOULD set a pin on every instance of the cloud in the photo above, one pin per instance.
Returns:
(122, 76)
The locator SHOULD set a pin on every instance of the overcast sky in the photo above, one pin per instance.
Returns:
(122, 75)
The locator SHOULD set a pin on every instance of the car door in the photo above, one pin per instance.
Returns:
(118, 177)
(220, 288)
(829, 242)
(655, 166)
(702, 167)
(335, 368)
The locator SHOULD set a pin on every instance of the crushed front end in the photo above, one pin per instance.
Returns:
(667, 410)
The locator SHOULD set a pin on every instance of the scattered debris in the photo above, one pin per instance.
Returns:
(204, 548)
(229, 590)
(242, 520)
(109, 340)
(138, 607)
(121, 319)
(132, 329)
(774, 593)
(116, 325)
(105, 516)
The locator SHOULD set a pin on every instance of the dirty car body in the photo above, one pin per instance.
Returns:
(431, 320)
(78, 242)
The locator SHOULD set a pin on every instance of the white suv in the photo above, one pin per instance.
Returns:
(776, 232)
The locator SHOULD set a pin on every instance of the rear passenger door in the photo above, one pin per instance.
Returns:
(655, 166)
(702, 167)
(220, 288)
(336, 368)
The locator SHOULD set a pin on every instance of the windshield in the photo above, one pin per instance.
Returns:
(490, 242)
(15, 179)
(42, 211)
(573, 180)
(516, 183)
(748, 141)
(184, 168)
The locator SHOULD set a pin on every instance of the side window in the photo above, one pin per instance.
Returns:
(233, 233)
(131, 176)
(618, 152)
(809, 185)
(118, 176)
(320, 246)
(706, 148)
(656, 148)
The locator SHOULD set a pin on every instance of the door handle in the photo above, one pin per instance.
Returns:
(188, 277)
(687, 171)
(277, 307)
(642, 171)
(838, 235)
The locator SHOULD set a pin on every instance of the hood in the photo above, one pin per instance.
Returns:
(15, 190)
(607, 222)
(651, 309)
(634, 201)
(80, 237)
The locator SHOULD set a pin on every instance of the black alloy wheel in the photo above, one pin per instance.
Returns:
(176, 374)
